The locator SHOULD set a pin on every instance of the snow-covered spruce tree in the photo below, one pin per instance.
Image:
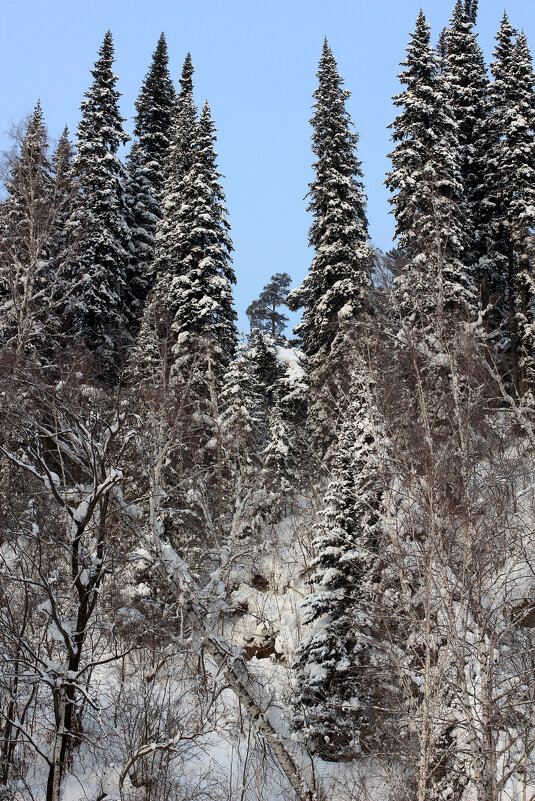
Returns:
(142, 223)
(442, 48)
(281, 380)
(519, 163)
(336, 292)
(501, 252)
(161, 446)
(188, 333)
(64, 191)
(201, 291)
(339, 277)
(334, 674)
(244, 499)
(467, 90)
(287, 451)
(152, 359)
(181, 150)
(154, 108)
(98, 250)
(427, 186)
(266, 368)
(240, 401)
(263, 313)
(146, 172)
(510, 177)
(27, 218)
(278, 457)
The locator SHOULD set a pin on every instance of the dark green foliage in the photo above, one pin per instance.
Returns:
(518, 164)
(64, 191)
(287, 450)
(200, 291)
(26, 212)
(146, 172)
(510, 181)
(266, 368)
(333, 661)
(339, 281)
(154, 108)
(98, 250)
(466, 76)
(188, 333)
(427, 186)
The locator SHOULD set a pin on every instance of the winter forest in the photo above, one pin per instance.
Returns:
(294, 566)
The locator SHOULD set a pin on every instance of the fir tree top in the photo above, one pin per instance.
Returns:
(34, 146)
(334, 143)
(97, 226)
(470, 10)
(466, 72)
(503, 96)
(416, 130)
(503, 54)
(339, 279)
(193, 290)
(518, 153)
(186, 79)
(425, 124)
(467, 90)
(101, 117)
(522, 71)
(427, 182)
(183, 132)
(154, 108)
(62, 158)
(204, 247)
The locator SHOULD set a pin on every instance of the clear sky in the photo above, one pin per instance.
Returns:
(256, 62)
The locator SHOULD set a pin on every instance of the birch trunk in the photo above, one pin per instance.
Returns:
(54, 775)
(247, 691)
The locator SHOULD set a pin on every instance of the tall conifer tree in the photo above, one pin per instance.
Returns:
(520, 163)
(501, 254)
(191, 306)
(188, 334)
(64, 192)
(238, 432)
(427, 186)
(181, 147)
(202, 292)
(335, 295)
(286, 450)
(146, 171)
(98, 252)
(334, 679)
(153, 358)
(466, 75)
(340, 275)
(154, 107)
(510, 180)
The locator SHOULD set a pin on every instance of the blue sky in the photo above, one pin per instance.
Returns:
(256, 62)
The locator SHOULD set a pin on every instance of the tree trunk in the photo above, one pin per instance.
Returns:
(239, 679)
(54, 774)
(231, 663)
(511, 287)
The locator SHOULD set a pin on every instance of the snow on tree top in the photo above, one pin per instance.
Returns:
(292, 358)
